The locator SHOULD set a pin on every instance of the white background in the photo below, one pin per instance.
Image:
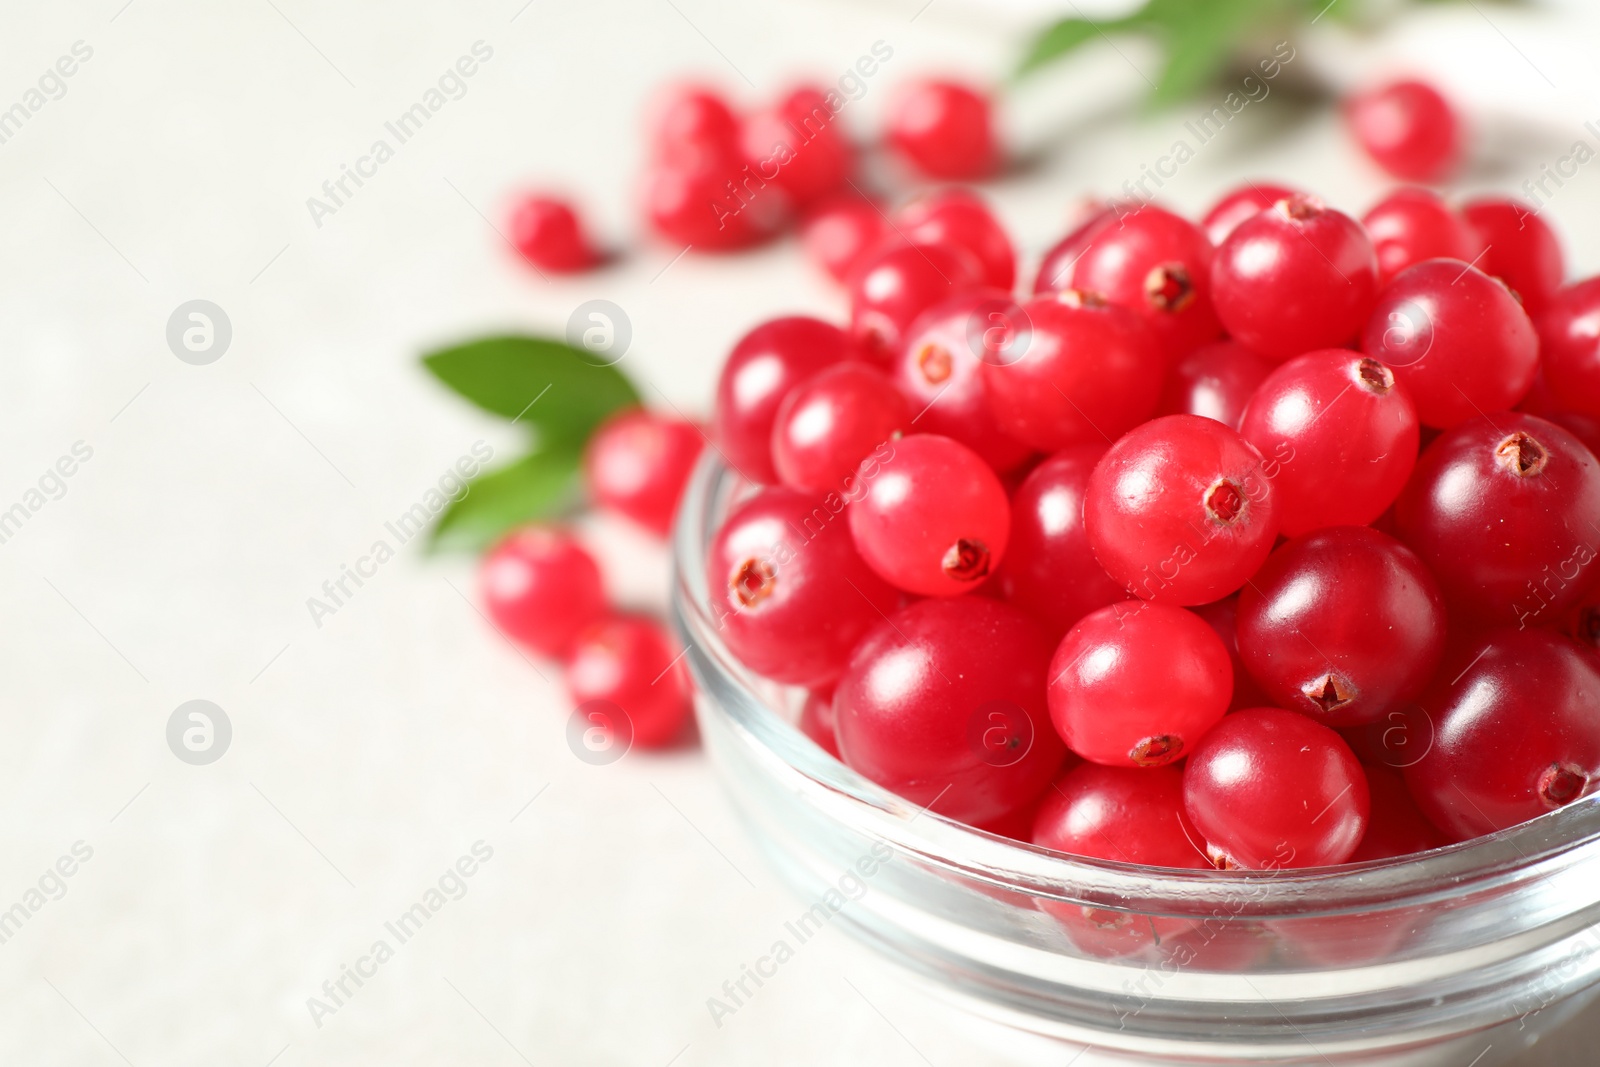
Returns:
(370, 753)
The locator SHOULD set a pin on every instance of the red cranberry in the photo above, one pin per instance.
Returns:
(816, 721)
(713, 206)
(939, 368)
(841, 232)
(791, 594)
(1569, 346)
(541, 588)
(1138, 684)
(943, 703)
(1341, 625)
(1505, 510)
(694, 124)
(766, 363)
(1083, 370)
(1122, 814)
(1407, 128)
(900, 282)
(1515, 732)
(1244, 202)
(1155, 263)
(1223, 617)
(1179, 512)
(1049, 571)
(1055, 270)
(1339, 435)
(960, 217)
(1520, 249)
(944, 130)
(1457, 340)
(548, 234)
(635, 665)
(1295, 277)
(798, 146)
(1215, 380)
(637, 464)
(832, 421)
(931, 518)
(1396, 826)
(1272, 790)
(1411, 225)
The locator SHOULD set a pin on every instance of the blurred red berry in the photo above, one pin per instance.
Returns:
(637, 464)
(841, 232)
(1519, 248)
(799, 146)
(541, 588)
(944, 130)
(548, 234)
(1408, 129)
(635, 665)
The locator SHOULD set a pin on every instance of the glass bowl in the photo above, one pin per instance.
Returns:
(1464, 955)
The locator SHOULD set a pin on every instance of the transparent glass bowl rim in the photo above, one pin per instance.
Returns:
(1554, 840)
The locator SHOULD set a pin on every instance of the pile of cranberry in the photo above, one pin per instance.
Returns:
(1261, 542)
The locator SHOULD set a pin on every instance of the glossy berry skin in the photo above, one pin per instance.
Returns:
(832, 421)
(1089, 371)
(943, 703)
(841, 232)
(1223, 617)
(1395, 826)
(944, 130)
(693, 125)
(960, 217)
(547, 233)
(1049, 571)
(1569, 346)
(1157, 264)
(798, 146)
(634, 664)
(1456, 338)
(1293, 278)
(789, 591)
(1247, 201)
(1341, 625)
(1271, 790)
(1055, 269)
(1138, 684)
(541, 588)
(1215, 380)
(637, 463)
(764, 365)
(1520, 249)
(1411, 225)
(1504, 510)
(1515, 732)
(816, 721)
(1179, 511)
(898, 283)
(1340, 437)
(1408, 129)
(690, 204)
(939, 369)
(932, 518)
(1124, 814)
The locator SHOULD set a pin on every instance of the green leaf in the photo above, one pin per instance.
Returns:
(536, 486)
(1057, 41)
(1200, 40)
(539, 382)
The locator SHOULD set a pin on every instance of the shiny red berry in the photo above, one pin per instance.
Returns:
(841, 232)
(1520, 249)
(1179, 511)
(1055, 270)
(832, 421)
(1515, 732)
(943, 703)
(799, 146)
(541, 588)
(1505, 511)
(1569, 347)
(1138, 684)
(960, 217)
(1244, 202)
(944, 130)
(790, 594)
(1215, 380)
(931, 518)
(1271, 790)
(896, 284)
(547, 233)
(637, 464)
(1339, 434)
(1295, 277)
(692, 125)
(1083, 370)
(1456, 338)
(1408, 129)
(1119, 813)
(1341, 625)
(635, 665)
(1411, 225)
(816, 721)
(1049, 571)
(764, 365)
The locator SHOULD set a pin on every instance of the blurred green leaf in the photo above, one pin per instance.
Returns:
(539, 382)
(537, 486)
(1060, 39)
(1200, 40)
